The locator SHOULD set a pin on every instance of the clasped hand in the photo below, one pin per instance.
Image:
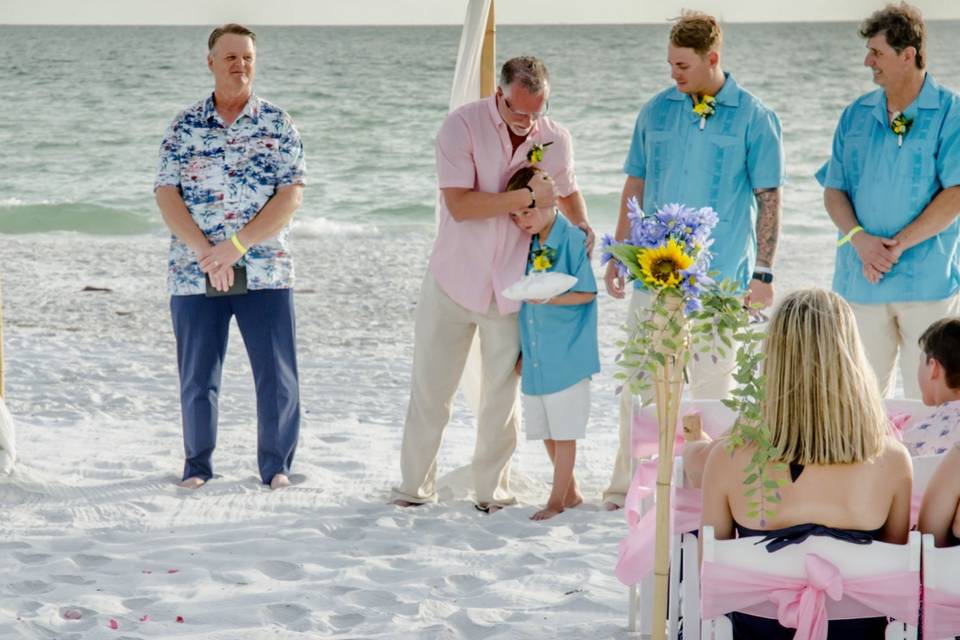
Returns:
(217, 261)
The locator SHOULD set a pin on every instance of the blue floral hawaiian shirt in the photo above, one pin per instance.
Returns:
(225, 176)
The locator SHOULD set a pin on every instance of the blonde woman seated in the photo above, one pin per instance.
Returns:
(844, 476)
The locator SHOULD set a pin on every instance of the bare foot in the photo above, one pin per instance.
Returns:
(192, 483)
(279, 481)
(399, 502)
(610, 506)
(547, 513)
(572, 501)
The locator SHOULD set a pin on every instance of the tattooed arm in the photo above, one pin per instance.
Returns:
(768, 234)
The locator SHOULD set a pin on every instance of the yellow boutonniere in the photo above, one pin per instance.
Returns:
(542, 258)
(535, 154)
(900, 125)
(704, 107)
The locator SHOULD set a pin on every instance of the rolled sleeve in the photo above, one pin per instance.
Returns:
(948, 156)
(831, 175)
(636, 162)
(566, 179)
(455, 165)
(292, 168)
(168, 172)
(766, 167)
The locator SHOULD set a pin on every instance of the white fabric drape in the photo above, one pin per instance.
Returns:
(466, 88)
(8, 450)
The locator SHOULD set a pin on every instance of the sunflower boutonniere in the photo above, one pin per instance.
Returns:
(542, 259)
(535, 154)
(704, 107)
(900, 125)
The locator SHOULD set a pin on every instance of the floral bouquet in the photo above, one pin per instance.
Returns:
(669, 252)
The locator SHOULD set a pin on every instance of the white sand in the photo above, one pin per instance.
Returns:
(92, 522)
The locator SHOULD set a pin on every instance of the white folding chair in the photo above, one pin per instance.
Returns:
(852, 560)
(941, 571)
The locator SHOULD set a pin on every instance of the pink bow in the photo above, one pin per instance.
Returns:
(941, 614)
(805, 610)
(801, 603)
(636, 557)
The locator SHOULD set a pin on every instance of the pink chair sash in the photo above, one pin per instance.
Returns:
(941, 614)
(801, 603)
(636, 555)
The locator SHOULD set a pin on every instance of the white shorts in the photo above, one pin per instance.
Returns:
(558, 416)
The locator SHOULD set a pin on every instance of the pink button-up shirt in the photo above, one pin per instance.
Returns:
(473, 261)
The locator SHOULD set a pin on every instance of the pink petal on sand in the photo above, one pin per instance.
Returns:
(179, 618)
(144, 618)
(172, 570)
(72, 614)
(113, 624)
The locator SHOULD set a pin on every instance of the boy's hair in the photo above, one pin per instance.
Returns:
(822, 403)
(902, 26)
(698, 31)
(521, 177)
(941, 341)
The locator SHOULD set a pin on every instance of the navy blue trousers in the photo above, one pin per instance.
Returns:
(266, 321)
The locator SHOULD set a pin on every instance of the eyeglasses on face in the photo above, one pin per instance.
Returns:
(536, 115)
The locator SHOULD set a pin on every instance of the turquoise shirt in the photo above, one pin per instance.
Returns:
(559, 342)
(889, 186)
(738, 151)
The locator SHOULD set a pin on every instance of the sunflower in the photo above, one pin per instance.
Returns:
(541, 263)
(660, 267)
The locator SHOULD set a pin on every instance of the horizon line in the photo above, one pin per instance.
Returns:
(438, 24)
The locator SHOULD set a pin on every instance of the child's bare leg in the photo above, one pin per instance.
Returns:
(573, 498)
(564, 456)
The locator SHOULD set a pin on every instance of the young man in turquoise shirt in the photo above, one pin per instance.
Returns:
(559, 351)
(892, 187)
(705, 142)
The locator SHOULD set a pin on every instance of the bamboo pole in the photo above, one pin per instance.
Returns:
(488, 55)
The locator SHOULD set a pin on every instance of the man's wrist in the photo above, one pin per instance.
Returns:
(763, 274)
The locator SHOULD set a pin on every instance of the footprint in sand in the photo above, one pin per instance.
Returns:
(286, 615)
(31, 587)
(280, 570)
(371, 599)
(89, 561)
(334, 439)
(31, 558)
(69, 579)
(138, 603)
(346, 621)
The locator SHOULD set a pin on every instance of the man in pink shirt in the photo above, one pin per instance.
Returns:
(479, 252)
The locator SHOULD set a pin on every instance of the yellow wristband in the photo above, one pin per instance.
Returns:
(842, 241)
(236, 242)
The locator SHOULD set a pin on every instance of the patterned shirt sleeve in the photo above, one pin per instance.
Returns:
(168, 173)
(292, 168)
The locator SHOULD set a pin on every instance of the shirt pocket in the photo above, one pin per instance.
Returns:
(723, 159)
(854, 157)
(202, 178)
(261, 160)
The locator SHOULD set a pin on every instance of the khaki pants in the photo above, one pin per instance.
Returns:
(708, 381)
(444, 331)
(889, 329)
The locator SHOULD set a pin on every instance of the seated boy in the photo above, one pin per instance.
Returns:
(559, 350)
(939, 378)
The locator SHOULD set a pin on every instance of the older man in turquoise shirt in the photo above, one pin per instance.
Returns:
(728, 157)
(891, 187)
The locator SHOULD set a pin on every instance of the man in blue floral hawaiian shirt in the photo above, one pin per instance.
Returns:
(231, 177)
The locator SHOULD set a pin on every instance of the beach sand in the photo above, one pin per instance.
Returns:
(94, 525)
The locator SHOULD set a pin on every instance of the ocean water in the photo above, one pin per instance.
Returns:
(85, 108)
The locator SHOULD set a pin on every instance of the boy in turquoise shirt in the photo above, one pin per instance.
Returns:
(558, 346)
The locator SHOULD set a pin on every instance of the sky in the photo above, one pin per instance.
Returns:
(384, 12)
